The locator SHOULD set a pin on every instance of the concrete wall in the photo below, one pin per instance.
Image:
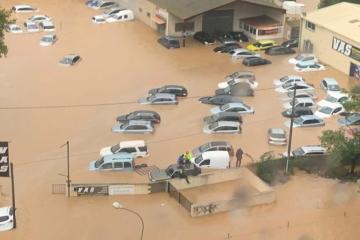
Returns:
(322, 39)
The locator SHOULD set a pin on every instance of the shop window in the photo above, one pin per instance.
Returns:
(189, 26)
(268, 31)
(310, 26)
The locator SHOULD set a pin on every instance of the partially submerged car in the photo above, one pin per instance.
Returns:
(334, 97)
(159, 98)
(276, 136)
(301, 102)
(219, 99)
(133, 126)
(39, 18)
(300, 67)
(240, 75)
(252, 83)
(288, 79)
(102, 4)
(222, 127)
(279, 50)
(306, 121)
(115, 162)
(98, 19)
(304, 57)
(352, 119)
(70, 60)
(48, 40)
(261, 45)
(223, 116)
(122, 16)
(13, 28)
(290, 95)
(255, 61)
(137, 148)
(243, 53)
(47, 26)
(240, 108)
(23, 8)
(204, 38)
(213, 146)
(330, 85)
(177, 90)
(298, 111)
(31, 26)
(329, 110)
(174, 171)
(225, 48)
(169, 42)
(292, 43)
(6, 218)
(306, 150)
(146, 115)
(299, 86)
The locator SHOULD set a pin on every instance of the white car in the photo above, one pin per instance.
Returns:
(290, 87)
(290, 95)
(243, 53)
(336, 97)
(137, 148)
(306, 121)
(306, 150)
(253, 84)
(301, 102)
(304, 57)
(112, 11)
(329, 110)
(39, 18)
(23, 8)
(13, 28)
(240, 74)
(48, 40)
(31, 26)
(222, 127)
(309, 67)
(240, 108)
(330, 85)
(47, 26)
(6, 218)
(288, 79)
(133, 126)
(99, 19)
(122, 16)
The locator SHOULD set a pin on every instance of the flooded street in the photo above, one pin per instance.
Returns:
(43, 105)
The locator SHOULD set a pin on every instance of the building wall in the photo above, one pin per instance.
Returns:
(322, 40)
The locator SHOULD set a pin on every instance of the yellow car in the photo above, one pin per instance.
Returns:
(261, 45)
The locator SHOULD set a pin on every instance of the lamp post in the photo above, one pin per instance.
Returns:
(118, 205)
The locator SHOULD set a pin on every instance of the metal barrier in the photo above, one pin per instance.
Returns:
(179, 197)
(58, 189)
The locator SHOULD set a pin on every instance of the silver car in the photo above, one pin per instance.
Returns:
(306, 121)
(69, 60)
(277, 136)
(159, 98)
(223, 116)
(243, 75)
(133, 126)
(222, 127)
(213, 146)
(240, 108)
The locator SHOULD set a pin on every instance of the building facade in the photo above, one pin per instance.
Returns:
(333, 34)
(258, 19)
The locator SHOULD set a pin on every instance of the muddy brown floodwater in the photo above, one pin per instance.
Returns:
(43, 105)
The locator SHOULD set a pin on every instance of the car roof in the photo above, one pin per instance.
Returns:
(307, 117)
(139, 122)
(266, 41)
(47, 22)
(330, 80)
(306, 55)
(338, 94)
(306, 99)
(310, 148)
(173, 86)
(170, 37)
(121, 156)
(49, 35)
(132, 143)
(98, 17)
(301, 108)
(277, 131)
(23, 6)
(333, 105)
(4, 211)
(218, 143)
(235, 104)
(165, 95)
(226, 114)
(228, 123)
(143, 111)
(215, 153)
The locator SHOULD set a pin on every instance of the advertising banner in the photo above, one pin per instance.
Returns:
(4, 159)
(355, 71)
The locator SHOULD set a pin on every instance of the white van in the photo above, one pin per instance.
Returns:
(114, 162)
(212, 159)
(137, 148)
(122, 16)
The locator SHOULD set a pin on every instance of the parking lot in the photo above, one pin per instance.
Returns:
(44, 105)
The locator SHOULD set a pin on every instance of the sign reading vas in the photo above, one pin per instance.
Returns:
(4, 159)
(345, 48)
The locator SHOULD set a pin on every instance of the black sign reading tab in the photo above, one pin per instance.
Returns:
(4, 159)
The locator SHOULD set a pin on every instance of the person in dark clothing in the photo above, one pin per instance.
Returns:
(239, 155)
(181, 160)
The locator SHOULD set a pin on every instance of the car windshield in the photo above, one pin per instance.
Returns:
(283, 79)
(277, 135)
(299, 57)
(353, 117)
(224, 107)
(4, 218)
(213, 126)
(287, 85)
(298, 152)
(333, 87)
(99, 162)
(124, 126)
(115, 148)
(231, 82)
(204, 147)
(151, 98)
(296, 102)
(246, 106)
(47, 39)
(257, 44)
(298, 120)
(331, 99)
(169, 171)
(326, 110)
(198, 159)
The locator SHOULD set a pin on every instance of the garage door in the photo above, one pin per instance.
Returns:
(219, 20)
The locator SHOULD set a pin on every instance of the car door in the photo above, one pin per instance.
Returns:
(205, 163)
(107, 166)
(118, 165)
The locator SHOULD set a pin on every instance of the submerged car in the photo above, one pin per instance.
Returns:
(240, 108)
(288, 80)
(307, 150)
(279, 50)
(39, 18)
(351, 120)
(70, 60)
(301, 102)
(240, 75)
(261, 45)
(243, 53)
(309, 67)
(225, 48)
(276, 136)
(253, 84)
(137, 148)
(6, 218)
(306, 121)
(99, 19)
(223, 116)
(133, 126)
(329, 110)
(304, 57)
(220, 99)
(255, 61)
(145, 115)
(177, 90)
(13, 28)
(31, 26)
(292, 43)
(299, 86)
(174, 171)
(169, 42)
(238, 36)
(115, 162)
(102, 4)
(48, 40)
(222, 127)
(290, 95)
(159, 98)
(47, 26)
(23, 8)
(334, 97)
(298, 111)
(204, 38)
(213, 146)
(330, 85)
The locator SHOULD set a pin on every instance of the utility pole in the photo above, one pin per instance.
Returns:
(291, 130)
(68, 168)
(13, 194)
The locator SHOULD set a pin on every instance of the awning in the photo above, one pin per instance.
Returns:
(158, 20)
